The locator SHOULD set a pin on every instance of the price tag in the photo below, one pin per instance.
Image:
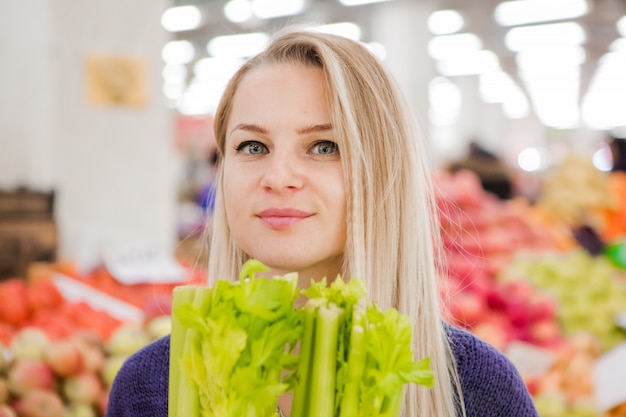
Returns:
(530, 360)
(144, 265)
(608, 378)
(75, 292)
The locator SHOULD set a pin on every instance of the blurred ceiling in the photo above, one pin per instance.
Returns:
(599, 25)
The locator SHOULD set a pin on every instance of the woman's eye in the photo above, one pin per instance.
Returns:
(325, 148)
(251, 147)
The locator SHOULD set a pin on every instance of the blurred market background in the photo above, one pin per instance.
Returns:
(107, 159)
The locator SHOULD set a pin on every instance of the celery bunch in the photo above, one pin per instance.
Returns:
(230, 345)
(355, 359)
(232, 350)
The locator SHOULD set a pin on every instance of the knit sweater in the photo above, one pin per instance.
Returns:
(491, 385)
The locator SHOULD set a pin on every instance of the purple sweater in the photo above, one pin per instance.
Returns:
(491, 385)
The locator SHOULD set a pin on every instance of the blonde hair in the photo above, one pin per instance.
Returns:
(390, 206)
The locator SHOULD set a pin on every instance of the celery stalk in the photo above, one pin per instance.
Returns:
(395, 402)
(322, 390)
(356, 364)
(181, 295)
(300, 398)
(188, 395)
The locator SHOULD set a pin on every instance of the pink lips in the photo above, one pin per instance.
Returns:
(282, 218)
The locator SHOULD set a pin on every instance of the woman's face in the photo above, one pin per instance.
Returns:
(283, 181)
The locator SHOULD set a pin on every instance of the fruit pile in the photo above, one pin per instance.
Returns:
(481, 236)
(519, 272)
(576, 189)
(590, 291)
(69, 376)
(567, 387)
(39, 304)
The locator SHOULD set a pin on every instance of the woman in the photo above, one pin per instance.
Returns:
(323, 172)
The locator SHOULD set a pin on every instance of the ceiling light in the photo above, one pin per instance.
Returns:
(494, 86)
(478, 63)
(602, 104)
(177, 19)
(618, 45)
(555, 102)
(521, 12)
(603, 159)
(359, 2)
(541, 36)
(621, 26)
(218, 70)
(453, 46)
(445, 101)
(238, 11)
(173, 91)
(238, 46)
(268, 9)
(444, 22)
(178, 52)
(570, 55)
(531, 159)
(515, 105)
(174, 73)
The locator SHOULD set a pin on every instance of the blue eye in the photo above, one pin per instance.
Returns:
(326, 147)
(251, 147)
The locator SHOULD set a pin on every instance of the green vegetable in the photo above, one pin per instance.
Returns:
(374, 359)
(238, 340)
(233, 350)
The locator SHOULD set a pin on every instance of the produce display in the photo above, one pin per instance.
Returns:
(233, 349)
(576, 190)
(548, 274)
(481, 236)
(40, 305)
(551, 274)
(67, 376)
(590, 291)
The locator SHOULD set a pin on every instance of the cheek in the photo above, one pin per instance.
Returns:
(231, 191)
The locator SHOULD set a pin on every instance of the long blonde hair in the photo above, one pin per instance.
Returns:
(392, 227)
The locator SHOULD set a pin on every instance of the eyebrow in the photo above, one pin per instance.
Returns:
(301, 131)
(314, 128)
(250, 128)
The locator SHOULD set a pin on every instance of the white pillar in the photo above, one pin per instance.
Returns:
(113, 166)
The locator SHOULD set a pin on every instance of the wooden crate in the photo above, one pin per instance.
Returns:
(28, 232)
(26, 204)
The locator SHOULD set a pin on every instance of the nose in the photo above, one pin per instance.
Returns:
(283, 172)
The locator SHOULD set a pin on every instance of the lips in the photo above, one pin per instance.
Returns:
(282, 218)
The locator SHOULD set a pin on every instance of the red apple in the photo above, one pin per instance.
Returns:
(39, 403)
(544, 308)
(545, 331)
(103, 401)
(93, 356)
(84, 387)
(64, 357)
(495, 298)
(467, 308)
(492, 333)
(80, 410)
(7, 411)
(29, 343)
(26, 375)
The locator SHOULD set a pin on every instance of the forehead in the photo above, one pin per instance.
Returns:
(282, 73)
(285, 88)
